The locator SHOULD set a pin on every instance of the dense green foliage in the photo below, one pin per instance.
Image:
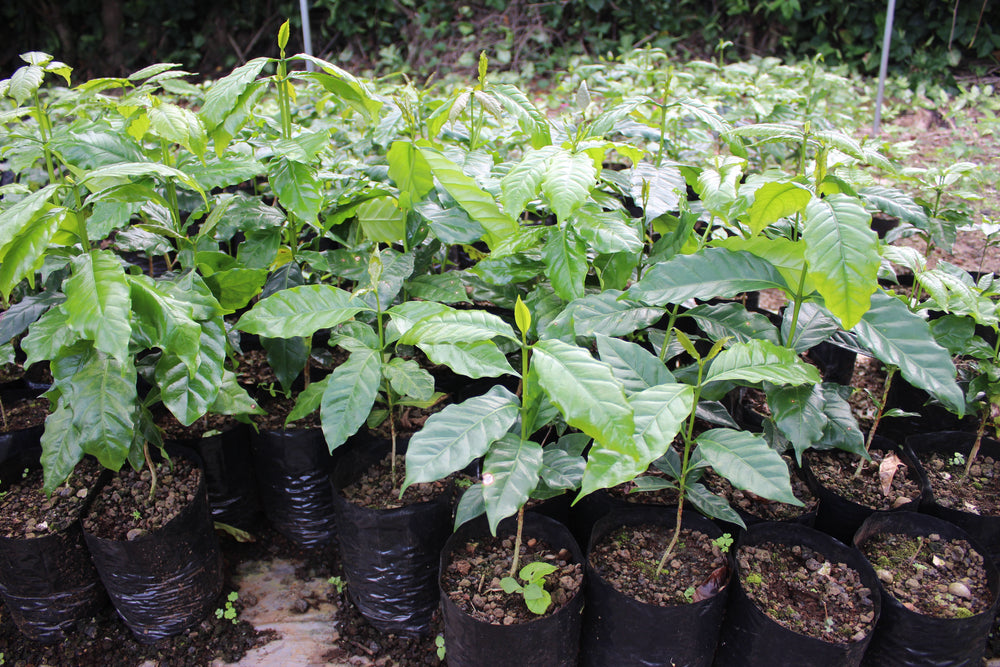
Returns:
(206, 37)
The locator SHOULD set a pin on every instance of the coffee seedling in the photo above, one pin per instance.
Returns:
(535, 596)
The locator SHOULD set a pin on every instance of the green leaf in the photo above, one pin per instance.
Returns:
(568, 180)
(25, 253)
(660, 412)
(444, 287)
(748, 463)
(471, 505)
(584, 390)
(14, 219)
(287, 357)
(382, 220)
(480, 206)
(449, 326)
(666, 187)
(189, 391)
(233, 399)
(407, 378)
(566, 263)
(561, 470)
(224, 95)
(733, 320)
(510, 474)
(606, 231)
(25, 82)
(634, 366)
(895, 203)
(410, 172)
(896, 336)
(98, 305)
(349, 396)
(235, 287)
(459, 434)
(842, 429)
(224, 172)
(812, 328)
(605, 313)
(475, 360)
(19, 316)
(296, 187)
(47, 336)
(799, 414)
(843, 256)
(61, 448)
(711, 505)
(533, 122)
(300, 311)
(524, 180)
(761, 361)
(116, 174)
(774, 201)
(714, 272)
(178, 125)
(348, 88)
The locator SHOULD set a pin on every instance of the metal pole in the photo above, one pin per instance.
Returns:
(883, 68)
(306, 32)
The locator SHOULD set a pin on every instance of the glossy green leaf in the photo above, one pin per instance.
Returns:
(287, 357)
(748, 463)
(561, 470)
(734, 321)
(711, 505)
(585, 391)
(235, 287)
(761, 361)
(444, 287)
(715, 272)
(894, 335)
(22, 213)
(300, 311)
(23, 256)
(605, 313)
(635, 367)
(842, 431)
(408, 379)
(24, 82)
(188, 391)
(666, 187)
(776, 200)
(47, 336)
(382, 220)
(232, 398)
(480, 206)
(350, 394)
(178, 125)
(224, 95)
(532, 122)
(297, 188)
(606, 231)
(470, 505)
(224, 172)
(62, 448)
(410, 172)
(895, 203)
(565, 263)
(568, 180)
(475, 360)
(843, 256)
(524, 180)
(98, 304)
(812, 328)
(450, 326)
(459, 434)
(19, 316)
(348, 88)
(799, 414)
(510, 473)
(115, 174)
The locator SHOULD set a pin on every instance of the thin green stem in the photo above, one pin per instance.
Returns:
(891, 372)
(152, 470)
(797, 307)
(670, 332)
(44, 127)
(81, 220)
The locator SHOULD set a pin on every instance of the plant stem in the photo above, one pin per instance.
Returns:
(670, 332)
(3, 413)
(979, 439)
(43, 127)
(878, 418)
(797, 307)
(152, 470)
(517, 542)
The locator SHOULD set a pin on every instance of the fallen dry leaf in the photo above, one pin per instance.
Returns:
(887, 470)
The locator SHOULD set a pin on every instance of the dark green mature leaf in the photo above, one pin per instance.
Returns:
(300, 311)
(408, 379)
(235, 287)
(659, 413)
(761, 361)
(451, 225)
(233, 399)
(459, 434)
(748, 463)
(896, 203)
(812, 328)
(894, 335)
(349, 396)
(634, 366)
(188, 391)
(711, 505)
(287, 357)
(62, 449)
(524, 180)
(798, 414)
(584, 390)
(843, 256)
(97, 303)
(223, 96)
(16, 319)
(607, 313)
(452, 326)
(116, 174)
(348, 88)
(666, 187)
(565, 263)
(296, 187)
(733, 320)
(444, 287)
(606, 231)
(510, 473)
(475, 360)
(842, 431)
(224, 172)
(480, 205)
(382, 220)
(561, 470)
(714, 272)
(47, 336)
(91, 149)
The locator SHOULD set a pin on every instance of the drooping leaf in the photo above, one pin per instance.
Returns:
(606, 231)
(223, 96)
(19, 316)
(711, 505)
(349, 396)
(475, 360)
(748, 463)
(524, 180)
(410, 171)
(798, 413)
(382, 220)
(287, 357)
(895, 203)
(533, 122)
(187, 391)
(510, 473)
(407, 378)
(14, 219)
(471, 505)
(23, 256)
(842, 430)
(300, 311)
(454, 437)
(178, 125)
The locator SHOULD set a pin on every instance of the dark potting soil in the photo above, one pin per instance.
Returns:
(276, 409)
(123, 509)
(627, 559)
(977, 493)
(805, 592)
(24, 414)
(834, 469)
(376, 488)
(769, 510)
(25, 511)
(252, 369)
(207, 425)
(472, 579)
(930, 575)
(10, 372)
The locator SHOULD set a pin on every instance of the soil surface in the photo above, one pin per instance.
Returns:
(24, 414)
(930, 575)
(123, 509)
(472, 579)
(628, 558)
(834, 469)
(276, 409)
(375, 488)
(25, 511)
(805, 592)
(768, 510)
(210, 424)
(979, 493)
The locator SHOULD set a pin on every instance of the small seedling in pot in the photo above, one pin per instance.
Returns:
(535, 596)
(439, 643)
(724, 542)
(957, 459)
(137, 515)
(754, 579)
(228, 611)
(689, 594)
(338, 583)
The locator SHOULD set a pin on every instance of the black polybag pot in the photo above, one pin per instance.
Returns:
(752, 638)
(983, 527)
(550, 641)
(620, 631)
(292, 469)
(229, 475)
(390, 556)
(905, 638)
(167, 580)
(48, 583)
(841, 517)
